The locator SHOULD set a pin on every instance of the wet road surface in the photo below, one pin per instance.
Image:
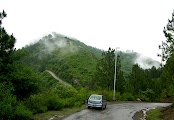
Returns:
(117, 111)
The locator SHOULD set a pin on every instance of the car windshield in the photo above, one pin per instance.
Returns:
(95, 97)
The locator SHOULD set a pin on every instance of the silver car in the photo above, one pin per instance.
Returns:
(97, 101)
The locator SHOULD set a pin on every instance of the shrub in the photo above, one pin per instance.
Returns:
(8, 102)
(147, 99)
(153, 114)
(118, 96)
(127, 97)
(107, 94)
(54, 103)
(22, 112)
(66, 92)
(69, 102)
(10, 108)
(78, 104)
(7, 107)
(163, 94)
(36, 103)
(81, 97)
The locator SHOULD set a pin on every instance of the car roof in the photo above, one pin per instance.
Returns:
(96, 95)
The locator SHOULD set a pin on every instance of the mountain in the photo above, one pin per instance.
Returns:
(71, 59)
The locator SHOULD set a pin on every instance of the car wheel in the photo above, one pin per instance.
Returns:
(89, 107)
(101, 108)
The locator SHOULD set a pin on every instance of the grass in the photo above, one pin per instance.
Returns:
(154, 114)
(58, 115)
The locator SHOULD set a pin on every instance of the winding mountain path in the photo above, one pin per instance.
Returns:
(57, 78)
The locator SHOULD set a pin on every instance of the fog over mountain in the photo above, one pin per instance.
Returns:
(146, 62)
(66, 45)
(57, 41)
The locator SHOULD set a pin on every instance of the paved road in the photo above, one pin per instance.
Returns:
(118, 111)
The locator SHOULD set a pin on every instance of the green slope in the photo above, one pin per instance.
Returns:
(69, 58)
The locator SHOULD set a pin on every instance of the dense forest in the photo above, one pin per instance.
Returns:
(27, 88)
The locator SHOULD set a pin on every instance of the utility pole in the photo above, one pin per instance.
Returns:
(115, 73)
(162, 57)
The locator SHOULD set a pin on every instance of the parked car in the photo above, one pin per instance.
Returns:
(96, 101)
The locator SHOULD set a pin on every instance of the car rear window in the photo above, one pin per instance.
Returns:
(95, 97)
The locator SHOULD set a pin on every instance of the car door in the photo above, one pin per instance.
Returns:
(104, 101)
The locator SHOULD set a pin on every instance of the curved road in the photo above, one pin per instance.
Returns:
(118, 111)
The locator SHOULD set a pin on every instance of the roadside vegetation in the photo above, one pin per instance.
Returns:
(166, 113)
(27, 89)
(154, 114)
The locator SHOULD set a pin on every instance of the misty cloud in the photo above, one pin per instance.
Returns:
(58, 42)
(146, 62)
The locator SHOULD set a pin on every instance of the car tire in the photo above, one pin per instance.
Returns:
(102, 108)
(105, 106)
(89, 107)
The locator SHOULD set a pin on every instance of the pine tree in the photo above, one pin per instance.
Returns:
(167, 46)
(6, 47)
(120, 81)
(105, 70)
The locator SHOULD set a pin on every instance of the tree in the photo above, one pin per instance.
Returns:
(120, 80)
(137, 79)
(167, 46)
(168, 76)
(6, 47)
(11, 108)
(105, 70)
(25, 80)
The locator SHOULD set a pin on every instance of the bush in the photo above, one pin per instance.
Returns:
(10, 108)
(8, 102)
(7, 107)
(22, 112)
(163, 94)
(54, 103)
(81, 97)
(118, 96)
(65, 91)
(107, 94)
(69, 102)
(36, 103)
(78, 104)
(127, 97)
(25, 81)
(48, 100)
(153, 114)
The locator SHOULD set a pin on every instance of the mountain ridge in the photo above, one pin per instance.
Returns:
(71, 59)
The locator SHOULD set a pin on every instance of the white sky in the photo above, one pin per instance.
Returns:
(128, 24)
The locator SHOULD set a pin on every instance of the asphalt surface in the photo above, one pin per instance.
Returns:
(116, 111)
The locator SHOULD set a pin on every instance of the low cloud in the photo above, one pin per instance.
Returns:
(55, 41)
(146, 62)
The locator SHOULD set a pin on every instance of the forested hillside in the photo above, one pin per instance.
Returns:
(27, 88)
(71, 59)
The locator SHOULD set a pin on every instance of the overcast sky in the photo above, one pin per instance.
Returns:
(128, 24)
